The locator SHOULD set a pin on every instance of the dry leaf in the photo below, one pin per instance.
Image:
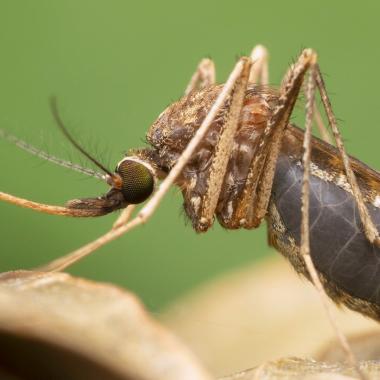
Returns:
(54, 326)
(305, 369)
(259, 314)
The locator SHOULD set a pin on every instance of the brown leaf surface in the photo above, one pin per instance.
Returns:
(56, 326)
(261, 313)
(305, 369)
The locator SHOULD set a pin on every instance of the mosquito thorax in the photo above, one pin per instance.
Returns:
(137, 179)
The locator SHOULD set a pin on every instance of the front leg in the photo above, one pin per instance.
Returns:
(203, 184)
(203, 76)
(253, 203)
(260, 72)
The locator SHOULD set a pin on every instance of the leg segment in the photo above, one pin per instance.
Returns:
(320, 125)
(253, 204)
(317, 115)
(124, 216)
(369, 227)
(291, 86)
(204, 76)
(259, 73)
(305, 239)
(223, 149)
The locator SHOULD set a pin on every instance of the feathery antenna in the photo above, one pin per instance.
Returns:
(48, 157)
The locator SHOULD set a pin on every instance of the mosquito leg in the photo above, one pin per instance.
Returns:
(369, 227)
(223, 150)
(259, 72)
(305, 228)
(317, 115)
(254, 201)
(320, 125)
(147, 211)
(204, 76)
(292, 85)
(324, 133)
(124, 216)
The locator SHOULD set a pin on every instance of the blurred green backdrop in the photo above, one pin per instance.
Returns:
(115, 65)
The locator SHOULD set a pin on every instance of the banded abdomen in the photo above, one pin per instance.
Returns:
(348, 263)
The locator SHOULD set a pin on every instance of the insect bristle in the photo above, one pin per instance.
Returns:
(48, 157)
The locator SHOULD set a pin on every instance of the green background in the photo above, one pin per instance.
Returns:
(115, 65)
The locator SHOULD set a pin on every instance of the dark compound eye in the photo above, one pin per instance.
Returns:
(138, 181)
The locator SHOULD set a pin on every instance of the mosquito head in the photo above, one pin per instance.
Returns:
(132, 182)
(135, 179)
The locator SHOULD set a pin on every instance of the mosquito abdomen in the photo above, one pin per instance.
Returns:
(349, 265)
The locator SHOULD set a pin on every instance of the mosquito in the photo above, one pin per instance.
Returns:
(237, 158)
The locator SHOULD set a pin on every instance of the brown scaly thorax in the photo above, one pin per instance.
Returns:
(176, 126)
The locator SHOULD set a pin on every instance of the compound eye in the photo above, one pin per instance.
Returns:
(138, 181)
